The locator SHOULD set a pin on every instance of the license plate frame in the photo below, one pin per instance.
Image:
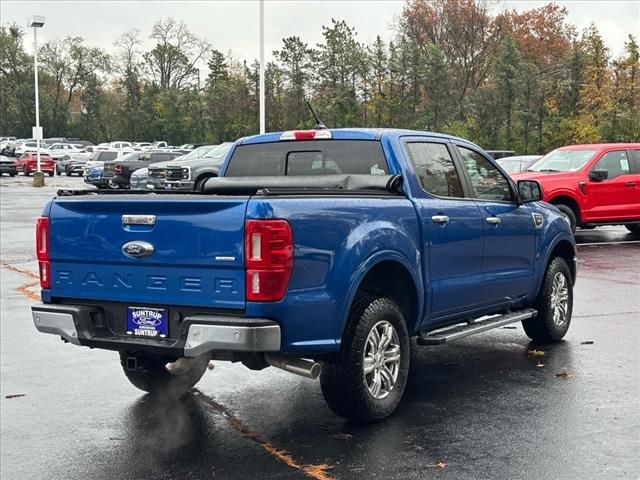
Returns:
(147, 322)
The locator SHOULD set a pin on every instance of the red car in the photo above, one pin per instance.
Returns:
(28, 163)
(592, 184)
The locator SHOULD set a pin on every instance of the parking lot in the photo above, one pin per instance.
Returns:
(490, 406)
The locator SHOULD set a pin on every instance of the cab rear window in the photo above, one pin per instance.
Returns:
(309, 157)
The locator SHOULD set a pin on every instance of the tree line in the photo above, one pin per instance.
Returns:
(525, 81)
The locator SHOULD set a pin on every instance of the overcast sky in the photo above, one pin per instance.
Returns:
(233, 25)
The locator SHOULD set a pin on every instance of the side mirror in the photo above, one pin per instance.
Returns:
(529, 191)
(599, 174)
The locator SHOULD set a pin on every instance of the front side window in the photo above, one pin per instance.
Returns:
(487, 181)
(636, 154)
(616, 163)
(435, 169)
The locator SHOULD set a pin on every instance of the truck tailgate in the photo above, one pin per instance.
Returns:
(197, 254)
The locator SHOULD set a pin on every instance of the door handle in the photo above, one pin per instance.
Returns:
(442, 219)
(493, 220)
(630, 184)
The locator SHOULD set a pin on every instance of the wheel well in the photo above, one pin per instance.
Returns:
(569, 202)
(391, 279)
(565, 250)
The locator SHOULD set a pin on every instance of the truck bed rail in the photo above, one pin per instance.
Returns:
(275, 185)
(303, 184)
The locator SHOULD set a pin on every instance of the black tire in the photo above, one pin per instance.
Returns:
(568, 212)
(343, 380)
(633, 228)
(152, 376)
(545, 328)
(51, 174)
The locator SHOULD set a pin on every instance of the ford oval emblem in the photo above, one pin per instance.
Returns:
(137, 249)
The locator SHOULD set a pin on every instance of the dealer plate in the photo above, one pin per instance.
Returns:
(147, 322)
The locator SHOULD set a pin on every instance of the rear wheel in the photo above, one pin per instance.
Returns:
(366, 380)
(633, 228)
(554, 304)
(154, 374)
(568, 212)
(51, 174)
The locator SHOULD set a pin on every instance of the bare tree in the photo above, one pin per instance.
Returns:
(172, 63)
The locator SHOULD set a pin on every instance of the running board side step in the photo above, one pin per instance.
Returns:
(449, 334)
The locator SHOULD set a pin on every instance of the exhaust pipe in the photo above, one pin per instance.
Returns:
(299, 366)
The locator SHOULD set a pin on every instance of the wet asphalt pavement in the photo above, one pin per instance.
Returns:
(481, 408)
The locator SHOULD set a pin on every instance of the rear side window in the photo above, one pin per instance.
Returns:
(435, 169)
(312, 157)
(107, 156)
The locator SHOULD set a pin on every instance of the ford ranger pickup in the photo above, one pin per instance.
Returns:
(319, 252)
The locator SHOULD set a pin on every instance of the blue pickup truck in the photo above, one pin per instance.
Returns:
(320, 252)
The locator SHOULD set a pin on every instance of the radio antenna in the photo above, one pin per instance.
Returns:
(319, 125)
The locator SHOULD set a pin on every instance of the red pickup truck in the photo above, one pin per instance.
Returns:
(592, 184)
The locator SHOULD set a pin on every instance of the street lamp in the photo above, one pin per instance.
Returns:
(262, 92)
(36, 22)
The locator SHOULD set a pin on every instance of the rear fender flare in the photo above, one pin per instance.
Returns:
(365, 267)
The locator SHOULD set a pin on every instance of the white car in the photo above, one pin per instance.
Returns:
(59, 150)
(30, 146)
(119, 145)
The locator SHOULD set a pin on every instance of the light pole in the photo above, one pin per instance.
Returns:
(262, 92)
(36, 22)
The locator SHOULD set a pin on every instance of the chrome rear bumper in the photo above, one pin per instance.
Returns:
(200, 334)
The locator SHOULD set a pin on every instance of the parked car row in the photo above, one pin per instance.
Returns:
(160, 169)
(10, 146)
(58, 146)
(26, 164)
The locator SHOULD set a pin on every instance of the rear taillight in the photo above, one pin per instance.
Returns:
(117, 169)
(42, 251)
(268, 253)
